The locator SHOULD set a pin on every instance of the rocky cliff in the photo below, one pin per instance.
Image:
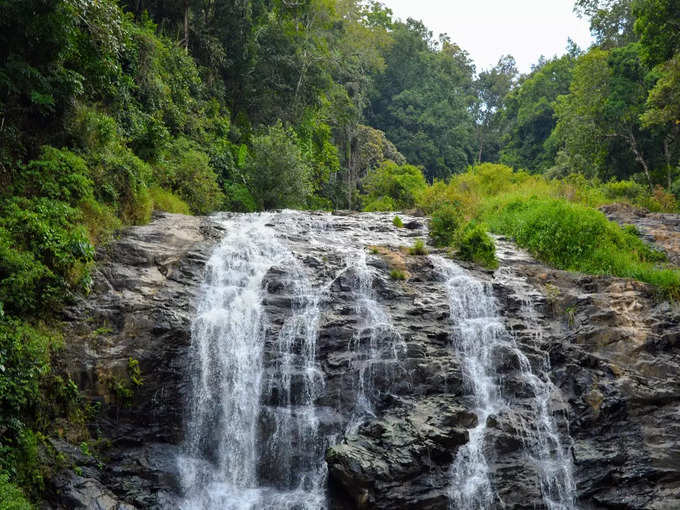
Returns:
(394, 408)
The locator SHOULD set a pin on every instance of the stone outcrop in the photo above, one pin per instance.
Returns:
(125, 347)
(612, 346)
(662, 230)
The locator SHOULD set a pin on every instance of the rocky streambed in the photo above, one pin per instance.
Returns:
(360, 394)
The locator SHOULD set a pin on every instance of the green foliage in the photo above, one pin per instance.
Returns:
(164, 200)
(397, 274)
(24, 360)
(238, 198)
(185, 170)
(43, 253)
(529, 113)
(418, 248)
(477, 246)
(278, 174)
(397, 222)
(381, 204)
(444, 225)
(657, 25)
(11, 496)
(421, 100)
(57, 175)
(577, 238)
(400, 184)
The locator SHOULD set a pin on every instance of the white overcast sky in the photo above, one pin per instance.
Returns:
(487, 29)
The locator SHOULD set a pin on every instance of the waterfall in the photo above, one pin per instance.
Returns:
(480, 338)
(260, 417)
(376, 344)
(220, 468)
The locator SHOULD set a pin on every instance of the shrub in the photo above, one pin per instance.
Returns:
(397, 274)
(279, 176)
(164, 200)
(238, 198)
(121, 181)
(186, 171)
(477, 246)
(628, 190)
(57, 174)
(418, 248)
(380, 204)
(401, 183)
(11, 496)
(41, 244)
(444, 225)
(397, 222)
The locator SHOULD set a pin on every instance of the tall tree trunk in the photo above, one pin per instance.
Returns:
(186, 25)
(667, 155)
(639, 157)
(480, 138)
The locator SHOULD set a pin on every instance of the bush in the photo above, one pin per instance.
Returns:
(402, 184)
(577, 238)
(397, 222)
(43, 253)
(627, 190)
(279, 176)
(238, 198)
(444, 225)
(418, 248)
(381, 204)
(121, 180)
(167, 201)
(477, 246)
(57, 174)
(11, 496)
(186, 171)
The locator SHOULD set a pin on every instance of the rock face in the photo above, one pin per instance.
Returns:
(138, 314)
(613, 353)
(662, 230)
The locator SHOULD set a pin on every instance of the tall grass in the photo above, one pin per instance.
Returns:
(558, 221)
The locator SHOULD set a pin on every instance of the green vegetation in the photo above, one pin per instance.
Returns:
(397, 222)
(555, 219)
(397, 274)
(111, 110)
(444, 225)
(418, 248)
(392, 187)
(476, 246)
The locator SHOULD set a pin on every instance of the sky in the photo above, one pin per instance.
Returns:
(488, 29)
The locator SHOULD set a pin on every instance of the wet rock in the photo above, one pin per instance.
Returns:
(609, 347)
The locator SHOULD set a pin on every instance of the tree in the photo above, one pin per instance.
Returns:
(658, 25)
(529, 115)
(663, 111)
(601, 115)
(422, 100)
(492, 87)
(611, 21)
(278, 174)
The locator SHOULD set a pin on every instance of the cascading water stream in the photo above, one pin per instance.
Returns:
(223, 450)
(253, 437)
(376, 344)
(480, 337)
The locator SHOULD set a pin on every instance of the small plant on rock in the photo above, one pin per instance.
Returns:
(418, 248)
(397, 222)
(397, 274)
(476, 246)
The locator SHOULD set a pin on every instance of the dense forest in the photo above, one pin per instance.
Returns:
(112, 109)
